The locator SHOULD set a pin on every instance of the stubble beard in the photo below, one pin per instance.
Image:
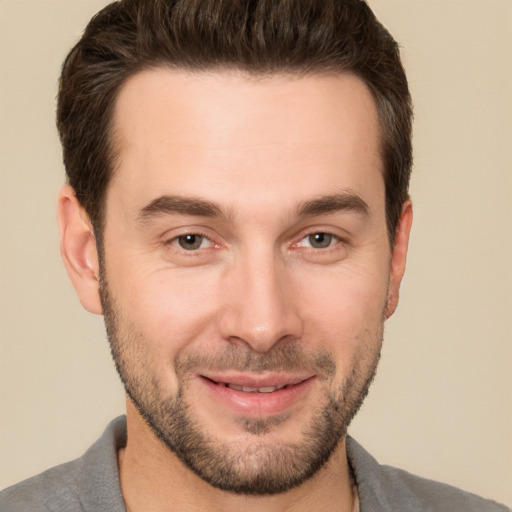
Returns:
(260, 467)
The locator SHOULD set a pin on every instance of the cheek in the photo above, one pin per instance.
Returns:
(169, 308)
(345, 307)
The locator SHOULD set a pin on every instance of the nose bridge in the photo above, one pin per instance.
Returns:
(260, 309)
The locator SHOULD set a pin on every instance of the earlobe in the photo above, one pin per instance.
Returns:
(78, 249)
(399, 257)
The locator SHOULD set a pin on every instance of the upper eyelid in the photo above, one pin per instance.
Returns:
(339, 233)
(174, 233)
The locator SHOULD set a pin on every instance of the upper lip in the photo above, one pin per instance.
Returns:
(258, 380)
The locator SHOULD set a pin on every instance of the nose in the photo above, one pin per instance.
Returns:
(259, 306)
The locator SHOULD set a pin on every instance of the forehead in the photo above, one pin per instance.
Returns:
(226, 132)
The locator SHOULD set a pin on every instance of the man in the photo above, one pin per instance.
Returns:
(238, 211)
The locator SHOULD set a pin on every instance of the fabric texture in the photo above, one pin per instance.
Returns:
(91, 484)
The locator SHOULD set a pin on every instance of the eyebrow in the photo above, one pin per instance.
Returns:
(167, 205)
(334, 203)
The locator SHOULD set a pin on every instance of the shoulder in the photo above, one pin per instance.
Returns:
(384, 488)
(89, 483)
(55, 489)
(428, 495)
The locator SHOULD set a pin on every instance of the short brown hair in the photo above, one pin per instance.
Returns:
(256, 36)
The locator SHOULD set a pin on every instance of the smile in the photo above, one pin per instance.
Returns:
(257, 396)
(249, 389)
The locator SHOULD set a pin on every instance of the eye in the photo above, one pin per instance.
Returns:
(319, 240)
(192, 242)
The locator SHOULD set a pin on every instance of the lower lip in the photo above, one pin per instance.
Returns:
(258, 404)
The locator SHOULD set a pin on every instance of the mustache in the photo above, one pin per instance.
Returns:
(280, 358)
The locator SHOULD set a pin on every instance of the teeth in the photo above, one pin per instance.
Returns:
(268, 389)
(265, 389)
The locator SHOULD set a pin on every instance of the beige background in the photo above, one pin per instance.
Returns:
(442, 403)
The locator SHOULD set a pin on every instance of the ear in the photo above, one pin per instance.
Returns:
(78, 249)
(399, 257)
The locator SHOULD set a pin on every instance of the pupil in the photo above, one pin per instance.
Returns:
(320, 240)
(190, 242)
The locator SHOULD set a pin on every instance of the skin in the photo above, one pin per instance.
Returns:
(261, 151)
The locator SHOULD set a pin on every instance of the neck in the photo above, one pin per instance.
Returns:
(154, 479)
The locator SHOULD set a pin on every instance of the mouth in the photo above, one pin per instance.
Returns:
(246, 389)
(257, 396)
(252, 384)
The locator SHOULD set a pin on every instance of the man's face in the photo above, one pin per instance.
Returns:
(247, 267)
